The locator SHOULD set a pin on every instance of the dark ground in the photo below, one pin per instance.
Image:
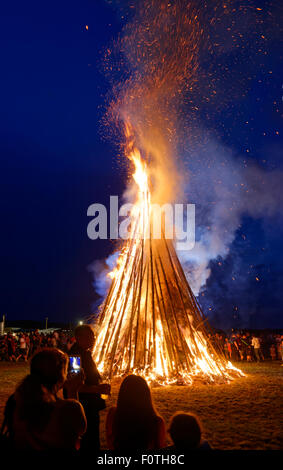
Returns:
(245, 414)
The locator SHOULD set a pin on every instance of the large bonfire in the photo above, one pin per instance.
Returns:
(150, 322)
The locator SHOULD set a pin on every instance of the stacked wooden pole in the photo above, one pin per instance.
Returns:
(150, 322)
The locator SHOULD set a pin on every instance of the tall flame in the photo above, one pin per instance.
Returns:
(150, 322)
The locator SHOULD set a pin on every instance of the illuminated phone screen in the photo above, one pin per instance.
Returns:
(75, 364)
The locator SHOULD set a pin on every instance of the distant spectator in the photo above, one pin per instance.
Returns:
(278, 347)
(234, 348)
(11, 347)
(257, 349)
(273, 352)
(23, 350)
(186, 433)
(249, 353)
(245, 347)
(53, 341)
(227, 349)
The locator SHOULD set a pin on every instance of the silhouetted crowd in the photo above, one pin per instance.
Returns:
(236, 346)
(56, 407)
(39, 417)
(20, 346)
(249, 346)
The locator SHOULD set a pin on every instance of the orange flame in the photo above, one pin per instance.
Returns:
(116, 343)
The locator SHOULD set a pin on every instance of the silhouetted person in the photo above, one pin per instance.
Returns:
(133, 424)
(35, 417)
(185, 431)
(90, 392)
(257, 348)
(11, 347)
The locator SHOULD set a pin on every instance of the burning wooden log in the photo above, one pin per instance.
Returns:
(150, 322)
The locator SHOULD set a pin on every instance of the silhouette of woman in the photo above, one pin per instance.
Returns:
(134, 424)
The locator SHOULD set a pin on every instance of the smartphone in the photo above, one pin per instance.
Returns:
(74, 364)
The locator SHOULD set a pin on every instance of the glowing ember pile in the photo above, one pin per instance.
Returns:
(150, 322)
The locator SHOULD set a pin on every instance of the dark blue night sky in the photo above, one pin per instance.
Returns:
(55, 163)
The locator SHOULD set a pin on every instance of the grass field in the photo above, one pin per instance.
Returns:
(245, 414)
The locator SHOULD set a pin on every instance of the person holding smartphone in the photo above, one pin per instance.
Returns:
(35, 417)
(90, 392)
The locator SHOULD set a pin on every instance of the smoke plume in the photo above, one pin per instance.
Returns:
(225, 188)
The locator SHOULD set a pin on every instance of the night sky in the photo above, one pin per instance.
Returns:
(55, 163)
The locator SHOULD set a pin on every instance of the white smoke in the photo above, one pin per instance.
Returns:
(225, 188)
(100, 270)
